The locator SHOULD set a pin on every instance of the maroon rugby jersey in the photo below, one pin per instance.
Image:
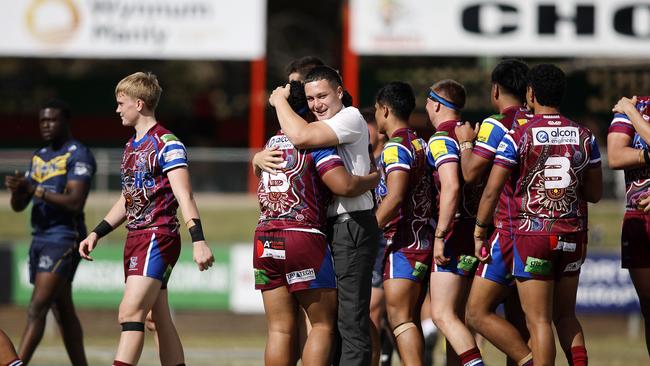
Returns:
(444, 148)
(552, 154)
(150, 202)
(412, 227)
(489, 137)
(295, 197)
(637, 180)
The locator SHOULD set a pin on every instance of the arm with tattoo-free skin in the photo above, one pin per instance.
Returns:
(627, 106)
(268, 160)
(344, 184)
(302, 134)
(620, 153)
(473, 166)
(489, 200)
(449, 193)
(179, 179)
(396, 184)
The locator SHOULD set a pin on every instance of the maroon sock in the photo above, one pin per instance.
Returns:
(120, 363)
(529, 363)
(471, 357)
(578, 356)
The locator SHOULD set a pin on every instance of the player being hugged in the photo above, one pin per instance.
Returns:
(556, 163)
(155, 182)
(292, 262)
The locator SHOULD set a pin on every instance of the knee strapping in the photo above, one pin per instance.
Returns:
(402, 328)
(132, 326)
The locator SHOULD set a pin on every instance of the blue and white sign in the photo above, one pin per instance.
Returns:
(605, 287)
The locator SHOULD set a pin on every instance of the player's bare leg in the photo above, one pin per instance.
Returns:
(321, 306)
(169, 344)
(377, 310)
(514, 314)
(8, 355)
(69, 325)
(569, 330)
(281, 309)
(448, 292)
(139, 297)
(46, 288)
(537, 301)
(484, 297)
(403, 301)
(150, 324)
(304, 327)
(641, 279)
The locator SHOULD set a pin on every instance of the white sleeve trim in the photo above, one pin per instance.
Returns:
(327, 159)
(174, 166)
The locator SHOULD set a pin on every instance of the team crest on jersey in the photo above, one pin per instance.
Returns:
(45, 262)
(43, 170)
(133, 263)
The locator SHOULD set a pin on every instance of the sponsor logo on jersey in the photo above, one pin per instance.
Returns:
(173, 155)
(566, 246)
(168, 137)
(391, 155)
(133, 264)
(502, 146)
(573, 266)
(538, 266)
(260, 277)
(81, 168)
(282, 142)
(420, 270)
(485, 132)
(270, 248)
(417, 144)
(467, 263)
(303, 275)
(45, 262)
(438, 148)
(556, 136)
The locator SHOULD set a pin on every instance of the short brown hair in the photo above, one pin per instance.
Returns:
(451, 90)
(141, 85)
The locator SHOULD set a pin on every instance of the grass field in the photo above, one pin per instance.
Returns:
(217, 338)
(221, 338)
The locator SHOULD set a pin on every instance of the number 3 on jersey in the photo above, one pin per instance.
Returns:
(276, 183)
(556, 173)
